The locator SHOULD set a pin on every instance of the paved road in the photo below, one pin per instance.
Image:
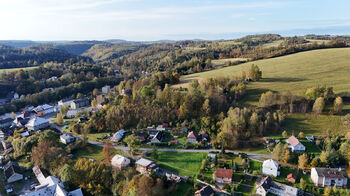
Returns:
(124, 148)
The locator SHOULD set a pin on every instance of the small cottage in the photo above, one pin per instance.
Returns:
(12, 172)
(145, 166)
(191, 137)
(120, 162)
(67, 138)
(295, 145)
(270, 168)
(223, 176)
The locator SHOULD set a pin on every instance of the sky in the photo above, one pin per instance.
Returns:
(143, 20)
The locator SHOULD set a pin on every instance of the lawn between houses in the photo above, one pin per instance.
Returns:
(182, 163)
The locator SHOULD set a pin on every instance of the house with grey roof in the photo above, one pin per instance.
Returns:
(268, 186)
(329, 177)
(12, 172)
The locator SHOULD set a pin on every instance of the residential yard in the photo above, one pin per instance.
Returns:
(183, 163)
(89, 151)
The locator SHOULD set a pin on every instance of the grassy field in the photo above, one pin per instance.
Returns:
(313, 124)
(183, 163)
(15, 69)
(221, 62)
(293, 73)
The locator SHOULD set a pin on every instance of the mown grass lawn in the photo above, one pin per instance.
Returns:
(89, 151)
(183, 163)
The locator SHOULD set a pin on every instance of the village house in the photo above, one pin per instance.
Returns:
(79, 103)
(12, 172)
(67, 138)
(37, 123)
(50, 186)
(191, 137)
(106, 89)
(141, 136)
(157, 138)
(65, 102)
(267, 185)
(295, 145)
(118, 136)
(223, 176)
(291, 178)
(205, 191)
(270, 168)
(44, 110)
(6, 122)
(145, 166)
(152, 132)
(329, 177)
(120, 162)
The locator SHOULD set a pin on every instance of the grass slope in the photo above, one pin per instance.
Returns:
(15, 69)
(294, 72)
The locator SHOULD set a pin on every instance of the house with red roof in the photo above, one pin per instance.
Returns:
(291, 178)
(223, 176)
(295, 145)
(191, 137)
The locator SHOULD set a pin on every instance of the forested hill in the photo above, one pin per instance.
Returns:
(78, 47)
(11, 57)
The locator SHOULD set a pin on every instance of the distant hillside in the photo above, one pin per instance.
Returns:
(107, 51)
(11, 57)
(18, 43)
(78, 47)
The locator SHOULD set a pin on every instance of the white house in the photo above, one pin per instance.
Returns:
(267, 185)
(65, 102)
(66, 138)
(106, 89)
(119, 161)
(37, 123)
(191, 137)
(270, 168)
(50, 186)
(329, 177)
(295, 145)
(12, 172)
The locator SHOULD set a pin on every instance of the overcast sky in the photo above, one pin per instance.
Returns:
(166, 19)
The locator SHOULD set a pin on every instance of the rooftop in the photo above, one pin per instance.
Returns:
(223, 173)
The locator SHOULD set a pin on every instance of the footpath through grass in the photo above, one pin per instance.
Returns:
(183, 163)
